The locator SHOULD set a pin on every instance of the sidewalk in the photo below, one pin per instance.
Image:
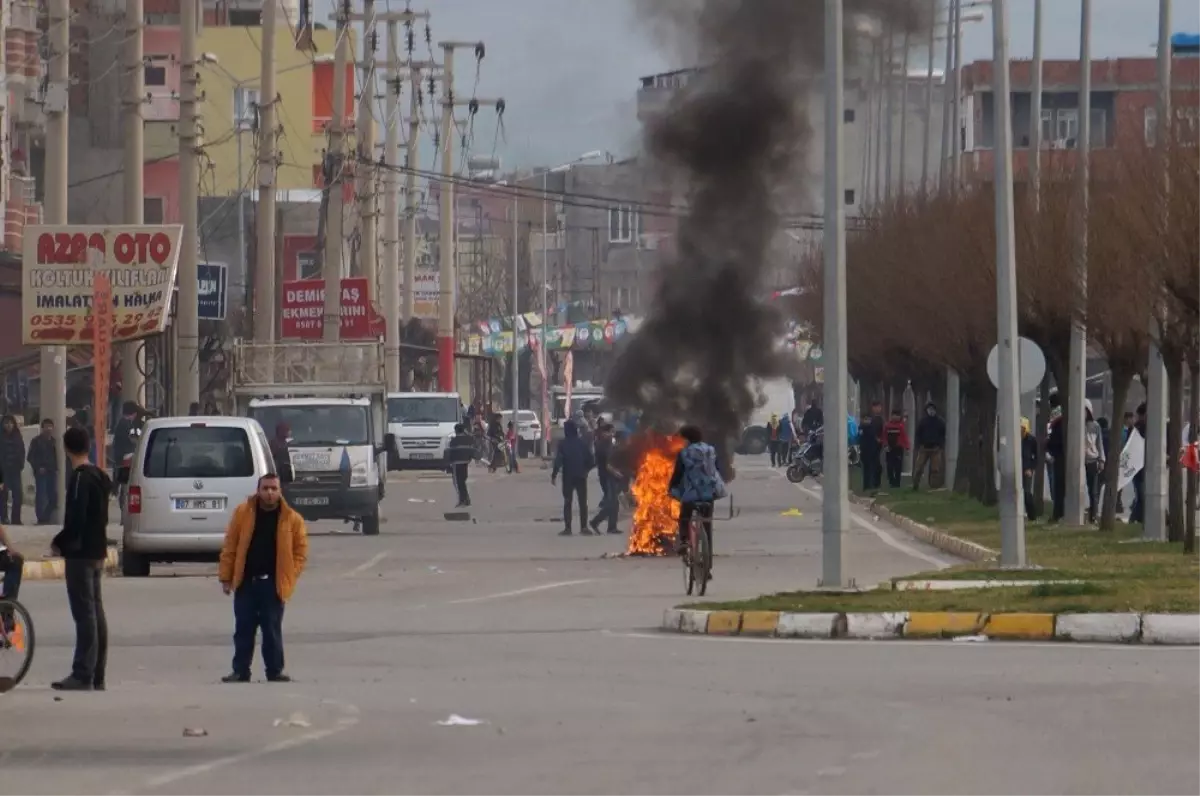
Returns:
(33, 542)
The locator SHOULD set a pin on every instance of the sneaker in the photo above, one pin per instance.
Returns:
(595, 525)
(587, 532)
(278, 678)
(565, 532)
(234, 677)
(71, 683)
(99, 686)
(615, 531)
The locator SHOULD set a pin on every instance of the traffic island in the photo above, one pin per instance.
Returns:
(1082, 584)
(55, 568)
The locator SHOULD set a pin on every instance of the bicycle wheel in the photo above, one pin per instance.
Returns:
(16, 644)
(701, 559)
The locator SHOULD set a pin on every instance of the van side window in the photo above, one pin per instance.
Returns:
(266, 450)
(198, 452)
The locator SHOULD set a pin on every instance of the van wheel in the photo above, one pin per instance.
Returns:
(134, 565)
(370, 524)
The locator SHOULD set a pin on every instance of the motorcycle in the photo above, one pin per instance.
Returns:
(804, 461)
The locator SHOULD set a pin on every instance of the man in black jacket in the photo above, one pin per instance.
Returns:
(461, 451)
(929, 445)
(43, 458)
(609, 479)
(870, 442)
(574, 460)
(83, 543)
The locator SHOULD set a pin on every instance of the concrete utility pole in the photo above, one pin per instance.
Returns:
(54, 357)
(264, 221)
(1077, 370)
(391, 216)
(835, 508)
(331, 316)
(956, 122)
(1035, 110)
(1154, 511)
(446, 381)
(365, 168)
(411, 200)
(1012, 515)
(516, 351)
(904, 117)
(889, 44)
(187, 334)
(133, 361)
(880, 89)
(947, 100)
(927, 137)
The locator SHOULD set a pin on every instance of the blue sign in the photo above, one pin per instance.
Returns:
(212, 290)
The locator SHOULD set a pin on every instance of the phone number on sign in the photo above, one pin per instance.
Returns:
(73, 327)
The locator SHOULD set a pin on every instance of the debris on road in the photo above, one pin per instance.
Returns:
(975, 638)
(194, 732)
(455, 720)
(792, 512)
(297, 719)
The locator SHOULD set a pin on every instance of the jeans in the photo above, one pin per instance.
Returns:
(256, 604)
(608, 505)
(872, 469)
(686, 510)
(45, 497)
(460, 483)
(91, 627)
(1091, 474)
(12, 491)
(574, 487)
(895, 467)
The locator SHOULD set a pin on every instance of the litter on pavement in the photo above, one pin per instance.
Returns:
(297, 719)
(455, 720)
(791, 513)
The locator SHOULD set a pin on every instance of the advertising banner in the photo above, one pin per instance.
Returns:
(59, 263)
(101, 356)
(426, 291)
(303, 308)
(212, 291)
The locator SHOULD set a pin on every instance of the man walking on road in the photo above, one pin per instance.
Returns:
(609, 480)
(265, 550)
(931, 441)
(462, 450)
(83, 543)
(574, 460)
(12, 465)
(44, 461)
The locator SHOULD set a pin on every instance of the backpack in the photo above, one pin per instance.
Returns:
(701, 481)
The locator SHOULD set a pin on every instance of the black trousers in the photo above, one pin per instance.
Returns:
(1058, 486)
(895, 467)
(871, 467)
(91, 627)
(460, 483)
(256, 605)
(608, 504)
(12, 493)
(686, 510)
(1091, 474)
(577, 488)
(1031, 511)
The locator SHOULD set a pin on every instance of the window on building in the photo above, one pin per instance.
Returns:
(1099, 131)
(848, 196)
(623, 223)
(848, 116)
(308, 266)
(245, 18)
(1066, 128)
(245, 108)
(1150, 125)
(1047, 126)
(155, 70)
(153, 210)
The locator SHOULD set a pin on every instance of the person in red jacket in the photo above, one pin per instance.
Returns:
(895, 442)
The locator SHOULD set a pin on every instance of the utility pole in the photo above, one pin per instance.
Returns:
(516, 351)
(1077, 369)
(187, 365)
(1012, 517)
(956, 126)
(335, 175)
(947, 102)
(133, 361)
(54, 358)
(889, 73)
(365, 168)
(904, 117)
(391, 216)
(927, 137)
(1154, 519)
(1035, 110)
(264, 221)
(835, 508)
(446, 381)
(412, 204)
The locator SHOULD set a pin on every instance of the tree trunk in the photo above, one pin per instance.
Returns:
(1042, 423)
(1193, 478)
(1122, 377)
(1174, 435)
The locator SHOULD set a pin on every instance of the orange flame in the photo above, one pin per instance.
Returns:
(656, 518)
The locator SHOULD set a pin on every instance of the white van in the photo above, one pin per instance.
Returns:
(186, 477)
(423, 423)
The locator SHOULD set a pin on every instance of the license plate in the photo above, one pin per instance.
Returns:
(199, 504)
(310, 501)
(423, 456)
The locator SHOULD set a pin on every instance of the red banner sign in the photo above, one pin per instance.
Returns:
(303, 309)
(102, 322)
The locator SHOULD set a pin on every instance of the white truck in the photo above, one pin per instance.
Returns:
(328, 401)
(423, 425)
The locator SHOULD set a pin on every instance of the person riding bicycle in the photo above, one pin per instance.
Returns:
(697, 480)
(495, 435)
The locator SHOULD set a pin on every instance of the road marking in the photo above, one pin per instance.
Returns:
(883, 535)
(344, 723)
(370, 562)
(518, 592)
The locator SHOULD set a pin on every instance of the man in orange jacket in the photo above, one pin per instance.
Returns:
(266, 547)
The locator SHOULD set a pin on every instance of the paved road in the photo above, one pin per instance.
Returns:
(553, 648)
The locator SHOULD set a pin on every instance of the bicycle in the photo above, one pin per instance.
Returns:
(697, 558)
(16, 643)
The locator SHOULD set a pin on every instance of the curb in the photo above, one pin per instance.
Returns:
(1117, 628)
(55, 568)
(939, 539)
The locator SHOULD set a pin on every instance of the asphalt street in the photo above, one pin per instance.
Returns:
(552, 648)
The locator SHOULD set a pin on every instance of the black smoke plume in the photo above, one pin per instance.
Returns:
(738, 138)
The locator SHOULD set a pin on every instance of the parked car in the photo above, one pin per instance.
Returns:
(529, 429)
